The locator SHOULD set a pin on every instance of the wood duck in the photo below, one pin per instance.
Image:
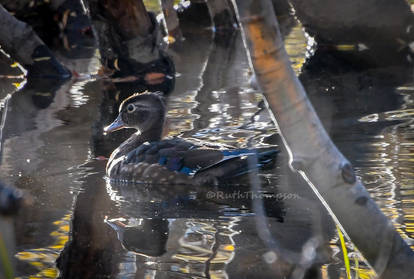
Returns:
(146, 157)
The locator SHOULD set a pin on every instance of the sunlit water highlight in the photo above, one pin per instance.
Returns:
(212, 101)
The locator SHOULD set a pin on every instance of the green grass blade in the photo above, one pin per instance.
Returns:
(4, 260)
(344, 252)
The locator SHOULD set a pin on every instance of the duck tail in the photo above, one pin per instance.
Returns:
(236, 163)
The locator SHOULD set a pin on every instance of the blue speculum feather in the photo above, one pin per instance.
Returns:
(175, 164)
(162, 161)
(187, 171)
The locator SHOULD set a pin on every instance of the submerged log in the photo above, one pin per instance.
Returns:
(311, 151)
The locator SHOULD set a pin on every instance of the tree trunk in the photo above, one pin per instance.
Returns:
(20, 41)
(129, 39)
(171, 19)
(221, 14)
(130, 17)
(125, 30)
(311, 151)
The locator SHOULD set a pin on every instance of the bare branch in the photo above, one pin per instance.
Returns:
(311, 151)
(20, 41)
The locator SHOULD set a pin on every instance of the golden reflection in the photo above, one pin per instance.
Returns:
(180, 117)
(43, 259)
(296, 47)
(209, 243)
(359, 268)
(387, 169)
(345, 47)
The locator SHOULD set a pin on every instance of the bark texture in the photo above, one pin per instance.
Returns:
(129, 37)
(20, 41)
(221, 14)
(171, 19)
(311, 151)
(17, 38)
(130, 17)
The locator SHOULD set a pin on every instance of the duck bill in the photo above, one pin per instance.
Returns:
(115, 126)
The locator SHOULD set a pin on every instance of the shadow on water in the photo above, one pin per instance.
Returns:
(52, 147)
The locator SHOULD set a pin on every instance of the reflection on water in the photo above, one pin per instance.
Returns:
(202, 248)
(44, 259)
(388, 172)
(51, 139)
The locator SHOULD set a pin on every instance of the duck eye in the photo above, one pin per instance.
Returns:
(130, 108)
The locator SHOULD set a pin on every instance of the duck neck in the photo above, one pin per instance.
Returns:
(153, 134)
(138, 138)
(134, 141)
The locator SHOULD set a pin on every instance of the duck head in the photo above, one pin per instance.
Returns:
(141, 111)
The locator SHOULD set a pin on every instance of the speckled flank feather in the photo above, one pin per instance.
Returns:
(148, 173)
(175, 161)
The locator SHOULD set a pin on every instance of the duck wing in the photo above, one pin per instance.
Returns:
(235, 163)
(175, 155)
(191, 161)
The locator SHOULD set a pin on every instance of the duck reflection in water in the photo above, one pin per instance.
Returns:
(146, 236)
(145, 157)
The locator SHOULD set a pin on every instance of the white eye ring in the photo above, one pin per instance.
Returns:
(131, 108)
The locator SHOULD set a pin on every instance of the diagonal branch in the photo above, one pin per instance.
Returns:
(20, 41)
(311, 151)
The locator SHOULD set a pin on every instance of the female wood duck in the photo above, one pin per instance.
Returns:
(145, 157)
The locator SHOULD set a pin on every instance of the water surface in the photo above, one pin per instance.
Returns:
(52, 147)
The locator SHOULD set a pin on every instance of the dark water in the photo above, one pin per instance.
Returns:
(52, 143)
